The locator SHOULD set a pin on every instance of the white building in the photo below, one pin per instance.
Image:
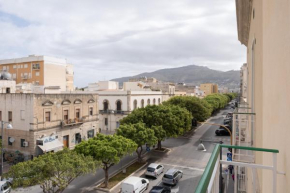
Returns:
(115, 105)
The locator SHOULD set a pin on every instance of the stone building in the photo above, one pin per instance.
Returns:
(48, 122)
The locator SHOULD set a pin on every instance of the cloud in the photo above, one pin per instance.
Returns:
(110, 39)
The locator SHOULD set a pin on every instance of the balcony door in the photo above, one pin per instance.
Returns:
(66, 141)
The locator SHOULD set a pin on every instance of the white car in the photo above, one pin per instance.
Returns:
(5, 187)
(154, 170)
(134, 185)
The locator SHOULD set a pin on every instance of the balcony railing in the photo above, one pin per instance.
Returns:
(113, 112)
(214, 181)
(72, 122)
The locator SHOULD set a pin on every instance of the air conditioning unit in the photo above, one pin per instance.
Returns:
(25, 143)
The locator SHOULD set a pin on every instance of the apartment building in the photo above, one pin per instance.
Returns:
(48, 122)
(40, 70)
(209, 88)
(264, 28)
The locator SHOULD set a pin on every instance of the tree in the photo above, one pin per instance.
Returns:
(160, 134)
(53, 171)
(138, 133)
(174, 120)
(199, 109)
(107, 149)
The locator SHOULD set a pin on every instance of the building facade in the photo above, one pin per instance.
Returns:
(115, 105)
(209, 88)
(264, 28)
(40, 70)
(48, 122)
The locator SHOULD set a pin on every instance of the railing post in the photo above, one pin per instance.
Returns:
(274, 172)
(221, 170)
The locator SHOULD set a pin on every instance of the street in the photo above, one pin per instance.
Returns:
(183, 155)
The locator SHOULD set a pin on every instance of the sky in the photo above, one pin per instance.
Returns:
(111, 38)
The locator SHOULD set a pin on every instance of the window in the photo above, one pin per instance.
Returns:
(78, 138)
(91, 111)
(106, 121)
(119, 106)
(14, 76)
(91, 133)
(154, 101)
(36, 82)
(148, 102)
(142, 103)
(47, 116)
(4, 67)
(10, 116)
(9, 143)
(21, 66)
(35, 66)
(18, 66)
(78, 111)
(159, 101)
(22, 115)
(106, 105)
(0, 115)
(65, 115)
(36, 73)
(7, 90)
(21, 142)
(117, 124)
(135, 104)
(25, 65)
(14, 66)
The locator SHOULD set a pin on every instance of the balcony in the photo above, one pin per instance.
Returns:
(72, 122)
(24, 77)
(116, 112)
(215, 179)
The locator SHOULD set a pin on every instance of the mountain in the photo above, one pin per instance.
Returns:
(192, 74)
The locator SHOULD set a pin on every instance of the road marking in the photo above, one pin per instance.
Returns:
(184, 167)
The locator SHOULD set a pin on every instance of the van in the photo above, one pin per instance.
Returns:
(134, 185)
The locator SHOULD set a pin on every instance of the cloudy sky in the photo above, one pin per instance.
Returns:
(110, 39)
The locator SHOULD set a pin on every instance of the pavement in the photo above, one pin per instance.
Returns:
(183, 155)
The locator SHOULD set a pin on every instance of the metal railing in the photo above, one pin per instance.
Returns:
(211, 180)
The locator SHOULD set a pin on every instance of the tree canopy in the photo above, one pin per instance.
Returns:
(199, 109)
(53, 171)
(107, 149)
(138, 133)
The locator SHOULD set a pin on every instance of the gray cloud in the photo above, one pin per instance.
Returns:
(110, 39)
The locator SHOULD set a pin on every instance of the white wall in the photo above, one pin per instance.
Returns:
(7, 84)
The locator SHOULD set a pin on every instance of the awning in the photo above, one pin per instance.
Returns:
(51, 146)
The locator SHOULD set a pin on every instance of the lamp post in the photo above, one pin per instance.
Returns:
(9, 126)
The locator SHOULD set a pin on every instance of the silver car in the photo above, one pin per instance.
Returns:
(154, 170)
(172, 176)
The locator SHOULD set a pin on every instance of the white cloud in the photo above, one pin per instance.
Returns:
(109, 39)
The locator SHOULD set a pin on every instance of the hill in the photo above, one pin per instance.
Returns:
(192, 74)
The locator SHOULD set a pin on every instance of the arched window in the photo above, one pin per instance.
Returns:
(106, 105)
(135, 104)
(148, 102)
(142, 103)
(159, 101)
(119, 105)
(154, 101)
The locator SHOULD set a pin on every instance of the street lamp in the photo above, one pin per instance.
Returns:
(9, 126)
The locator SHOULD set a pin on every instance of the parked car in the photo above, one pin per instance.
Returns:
(134, 185)
(228, 121)
(172, 176)
(223, 131)
(5, 187)
(160, 189)
(154, 170)
(229, 115)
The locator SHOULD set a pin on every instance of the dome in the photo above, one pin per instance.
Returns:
(5, 76)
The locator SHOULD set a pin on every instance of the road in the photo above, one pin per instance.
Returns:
(183, 155)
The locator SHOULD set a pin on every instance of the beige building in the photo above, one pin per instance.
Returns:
(244, 82)
(264, 28)
(48, 122)
(209, 88)
(40, 70)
